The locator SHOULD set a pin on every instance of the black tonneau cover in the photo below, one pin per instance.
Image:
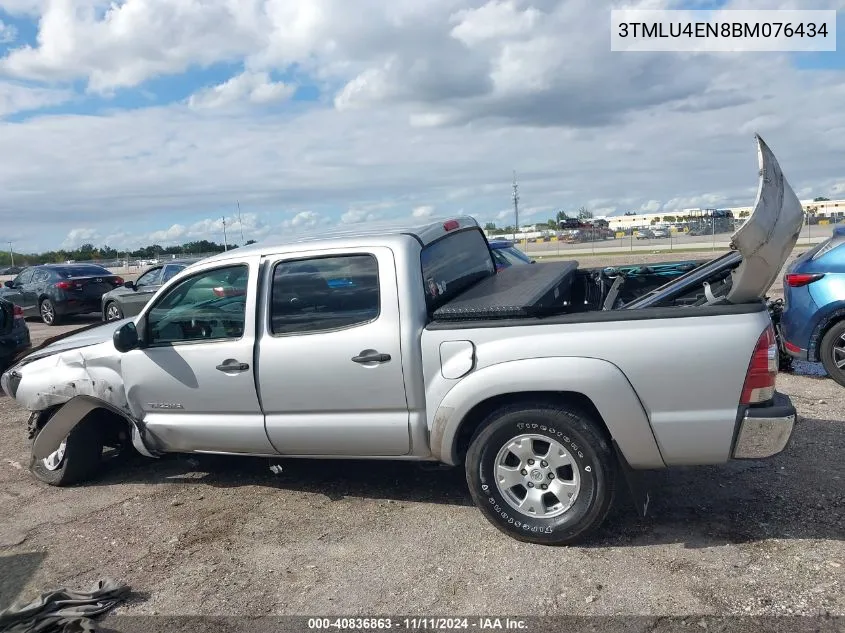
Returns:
(517, 291)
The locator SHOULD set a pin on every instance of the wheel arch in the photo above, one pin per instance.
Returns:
(822, 327)
(56, 423)
(593, 386)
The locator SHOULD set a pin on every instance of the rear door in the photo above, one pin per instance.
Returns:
(329, 358)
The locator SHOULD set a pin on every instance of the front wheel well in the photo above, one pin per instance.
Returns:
(473, 421)
(115, 430)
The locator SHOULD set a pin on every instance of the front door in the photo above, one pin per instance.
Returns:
(146, 286)
(22, 294)
(329, 361)
(193, 381)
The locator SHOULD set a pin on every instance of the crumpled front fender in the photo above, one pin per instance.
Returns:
(72, 413)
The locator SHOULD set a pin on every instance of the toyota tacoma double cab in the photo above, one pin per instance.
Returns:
(404, 342)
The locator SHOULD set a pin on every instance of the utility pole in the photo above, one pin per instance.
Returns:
(225, 243)
(11, 254)
(515, 205)
(241, 224)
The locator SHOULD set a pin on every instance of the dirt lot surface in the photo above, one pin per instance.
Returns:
(218, 535)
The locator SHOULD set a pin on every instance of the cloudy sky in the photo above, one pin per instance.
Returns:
(133, 121)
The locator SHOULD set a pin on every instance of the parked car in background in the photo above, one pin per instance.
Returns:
(506, 254)
(130, 298)
(659, 234)
(54, 291)
(11, 270)
(14, 333)
(812, 325)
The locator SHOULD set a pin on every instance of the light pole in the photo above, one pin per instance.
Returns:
(225, 244)
(11, 254)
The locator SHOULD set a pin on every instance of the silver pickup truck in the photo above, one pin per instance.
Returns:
(403, 342)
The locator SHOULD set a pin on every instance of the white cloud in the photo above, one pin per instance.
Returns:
(305, 220)
(255, 88)
(20, 98)
(8, 33)
(356, 216)
(423, 211)
(77, 237)
(422, 104)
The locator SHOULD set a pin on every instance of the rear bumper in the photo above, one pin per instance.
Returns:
(790, 348)
(765, 431)
(77, 306)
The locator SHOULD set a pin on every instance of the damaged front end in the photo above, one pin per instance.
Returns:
(65, 380)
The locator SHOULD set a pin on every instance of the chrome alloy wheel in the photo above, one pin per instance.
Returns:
(537, 476)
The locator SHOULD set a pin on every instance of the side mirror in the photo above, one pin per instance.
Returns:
(9, 284)
(126, 338)
(130, 285)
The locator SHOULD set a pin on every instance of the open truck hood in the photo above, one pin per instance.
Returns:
(767, 238)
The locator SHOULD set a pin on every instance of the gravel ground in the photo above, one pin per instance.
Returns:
(225, 536)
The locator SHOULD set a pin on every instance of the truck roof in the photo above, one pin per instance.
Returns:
(339, 236)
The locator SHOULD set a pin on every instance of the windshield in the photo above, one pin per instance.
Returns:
(514, 255)
(454, 263)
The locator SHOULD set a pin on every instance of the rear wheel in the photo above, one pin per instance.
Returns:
(832, 352)
(77, 459)
(48, 312)
(541, 473)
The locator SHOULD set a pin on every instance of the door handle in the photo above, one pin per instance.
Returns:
(371, 358)
(232, 365)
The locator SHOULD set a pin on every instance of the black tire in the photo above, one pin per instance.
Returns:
(833, 338)
(81, 461)
(48, 312)
(589, 450)
(117, 309)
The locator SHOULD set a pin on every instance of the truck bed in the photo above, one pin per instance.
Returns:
(549, 289)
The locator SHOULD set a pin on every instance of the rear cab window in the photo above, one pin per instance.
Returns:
(451, 264)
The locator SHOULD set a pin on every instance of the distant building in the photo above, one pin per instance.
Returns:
(833, 210)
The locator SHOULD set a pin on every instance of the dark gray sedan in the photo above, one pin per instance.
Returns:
(130, 298)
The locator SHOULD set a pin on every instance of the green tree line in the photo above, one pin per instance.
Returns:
(89, 252)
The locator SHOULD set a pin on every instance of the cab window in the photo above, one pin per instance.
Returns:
(324, 293)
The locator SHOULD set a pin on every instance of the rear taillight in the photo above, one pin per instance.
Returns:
(762, 371)
(64, 285)
(118, 281)
(796, 280)
(18, 312)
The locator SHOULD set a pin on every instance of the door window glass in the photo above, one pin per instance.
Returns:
(208, 306)
(149, 278)
(325, 293)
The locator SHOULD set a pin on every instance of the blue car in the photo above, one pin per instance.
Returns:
(812, 326)
(506, 254)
